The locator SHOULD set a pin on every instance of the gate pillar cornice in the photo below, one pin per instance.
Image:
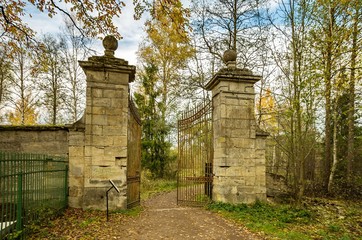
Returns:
(108, 63)
(231, 74)
(239, 148)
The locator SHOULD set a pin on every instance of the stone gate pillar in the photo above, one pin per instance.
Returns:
(98, 142)
(239, 148)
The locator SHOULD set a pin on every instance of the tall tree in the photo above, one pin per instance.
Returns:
(356, 10)
(21, 100)
(165, 51)
(167, 47)
(329, 37)
(5, 78)
(155, 150)
(75, 47)
(296, 97)
(52, 83)
(230, 24)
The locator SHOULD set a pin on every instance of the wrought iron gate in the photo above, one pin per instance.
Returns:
(195, 156)
(134, 157)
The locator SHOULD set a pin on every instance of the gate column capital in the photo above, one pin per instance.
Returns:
(232, 75)
(108, 63)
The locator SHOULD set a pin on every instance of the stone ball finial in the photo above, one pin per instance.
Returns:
(229, 58)
(110, 45)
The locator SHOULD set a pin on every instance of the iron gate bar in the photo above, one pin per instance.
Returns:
(194, 178)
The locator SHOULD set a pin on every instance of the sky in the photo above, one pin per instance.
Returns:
(130, 29)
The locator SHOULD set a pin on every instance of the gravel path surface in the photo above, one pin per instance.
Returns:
(163, 219)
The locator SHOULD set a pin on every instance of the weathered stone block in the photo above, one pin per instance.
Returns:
(95, 198)
(118, 78)
(234, 112)
(87, 152)
(76, 138)
(260, 143)
(116, 151)
(102, 140)
(219, 88)
(252, 133)
(260, 180)
(99, 120)
(115, 93)
(260, 170)
(250, 180)
(96, 93)
(119, 103)
(119, 140)
(236, 87)
(99, 110)
(219, 145)
(241, 123)
(219, 153)
(96, 151)
(248, 172)
(115, 130)
(104, 172)
(76, 181)
(97, 130)
(75, 197)
(117, 112)
(116, 120)
(101, 102)
(232, 101)
(76, 151)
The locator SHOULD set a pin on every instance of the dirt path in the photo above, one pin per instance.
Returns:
(163, 219)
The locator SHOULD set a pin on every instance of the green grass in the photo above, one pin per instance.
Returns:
(151, 186)
(280, 221)
(133, 212)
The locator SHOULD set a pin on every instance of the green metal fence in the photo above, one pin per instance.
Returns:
(32, 188)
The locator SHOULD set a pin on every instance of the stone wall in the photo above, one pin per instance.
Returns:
(76, 163)
(35, 139)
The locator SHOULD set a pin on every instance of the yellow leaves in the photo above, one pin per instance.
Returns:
(24, 114)
(167, 46)
(15, 118)
(267, 101)
(267, 110)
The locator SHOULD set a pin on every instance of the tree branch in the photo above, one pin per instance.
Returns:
(70, 17)
(8, 22)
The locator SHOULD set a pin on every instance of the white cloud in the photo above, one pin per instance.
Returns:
(132, 33)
